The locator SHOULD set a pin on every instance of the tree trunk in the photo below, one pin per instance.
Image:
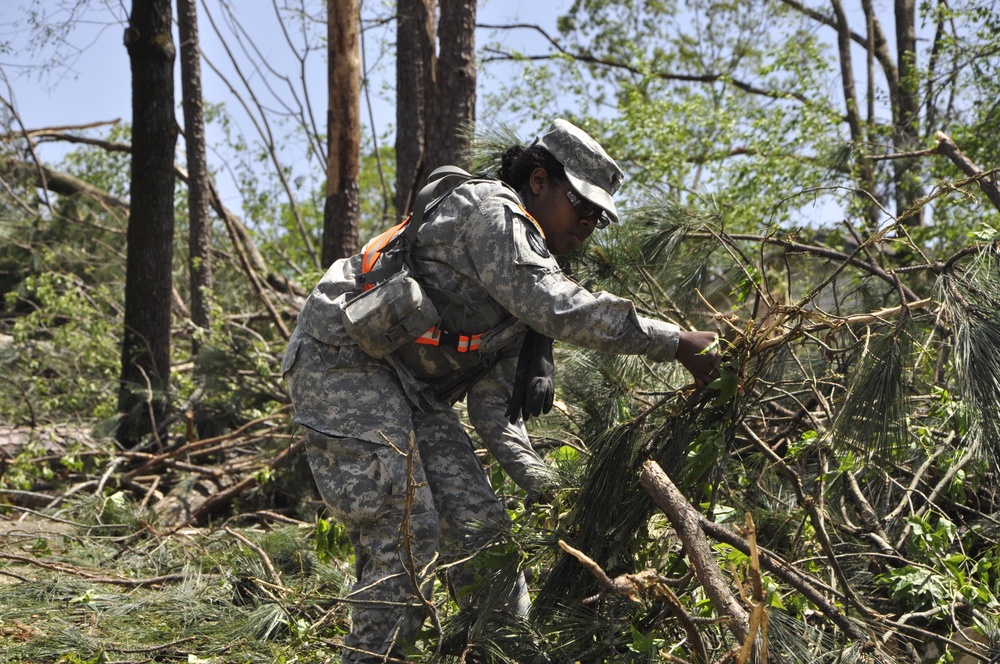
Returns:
(859, 135)
(342, 208)
(453, 109)
(415, 65)
(907, 116)
(199, 231)
(145, 373)
(436, 96)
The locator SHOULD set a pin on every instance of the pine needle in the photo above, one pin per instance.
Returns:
(974, 301)
(871, 420)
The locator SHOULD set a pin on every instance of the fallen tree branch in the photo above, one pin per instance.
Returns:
(68, 185)
(60, 183)
(805, 585)
(809, 504)
(96, 578)
(987, 182)
(647, 583)
(265, 559)
(687, 522)
(221, 498)
(155, 462)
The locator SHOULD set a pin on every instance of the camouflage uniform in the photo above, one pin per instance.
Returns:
(483, 260)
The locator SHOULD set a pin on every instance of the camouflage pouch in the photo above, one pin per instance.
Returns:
(391, 313)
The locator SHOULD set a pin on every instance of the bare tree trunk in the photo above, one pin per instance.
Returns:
(145, 374)
(454, 102)
(199, 232)
(853, 113)
(342, 208)
(436, 95)
(415, 65)
(907, 116)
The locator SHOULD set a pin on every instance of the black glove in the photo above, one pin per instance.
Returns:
(535, 381)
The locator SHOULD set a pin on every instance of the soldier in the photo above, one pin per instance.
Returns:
(485, 256)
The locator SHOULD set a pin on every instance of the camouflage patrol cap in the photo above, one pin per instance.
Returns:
(589, 169)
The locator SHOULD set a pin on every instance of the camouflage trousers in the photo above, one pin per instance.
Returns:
(407, 510)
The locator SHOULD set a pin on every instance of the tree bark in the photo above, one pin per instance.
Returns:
(415, 66)
(907, 115)
(199, 224)
(687, 522)
(145, 372)
(454, 102)
(436, 95)
(853, 114)
(342, 206)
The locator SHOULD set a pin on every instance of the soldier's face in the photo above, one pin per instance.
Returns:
(565, 228)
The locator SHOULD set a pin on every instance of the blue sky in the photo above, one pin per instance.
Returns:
(91, 80)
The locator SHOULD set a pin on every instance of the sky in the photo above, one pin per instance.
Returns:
(91, 81)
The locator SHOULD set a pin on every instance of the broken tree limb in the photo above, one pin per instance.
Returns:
(94, 577)
(653, 478)
(646, 583)
(987, 183)
(68, 185)
(687, 522)
(60, 183)
(221, 498)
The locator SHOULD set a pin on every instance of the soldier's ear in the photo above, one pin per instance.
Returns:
(537, 180)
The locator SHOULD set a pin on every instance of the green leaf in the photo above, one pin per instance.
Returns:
(728, 385)
(642, 642)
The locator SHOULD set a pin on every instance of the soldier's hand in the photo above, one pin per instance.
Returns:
(698, 352)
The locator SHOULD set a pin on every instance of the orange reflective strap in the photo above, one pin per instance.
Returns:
(463, 343)
(431, 337)
(373, 249)
(467, 344)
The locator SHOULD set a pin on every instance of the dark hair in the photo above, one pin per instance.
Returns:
(519, 161)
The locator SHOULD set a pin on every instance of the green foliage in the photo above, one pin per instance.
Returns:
(873, 416)
(858, 392)
(218, 602)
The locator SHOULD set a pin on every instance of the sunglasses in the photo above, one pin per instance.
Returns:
(583, 208)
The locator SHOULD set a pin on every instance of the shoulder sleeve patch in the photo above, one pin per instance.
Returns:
(529, 244)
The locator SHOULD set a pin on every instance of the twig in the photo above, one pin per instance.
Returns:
(411, 566)
(857, 319)
(917, 477)
(45, 131)
(223, 497)
(647, 583)
(816, 517)
(268, 565)
(113, 581)
(115, 462)
(50, 517)
(156, 648)
(15, 576)
(944, 483)
(151, 491)
(155, 461)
